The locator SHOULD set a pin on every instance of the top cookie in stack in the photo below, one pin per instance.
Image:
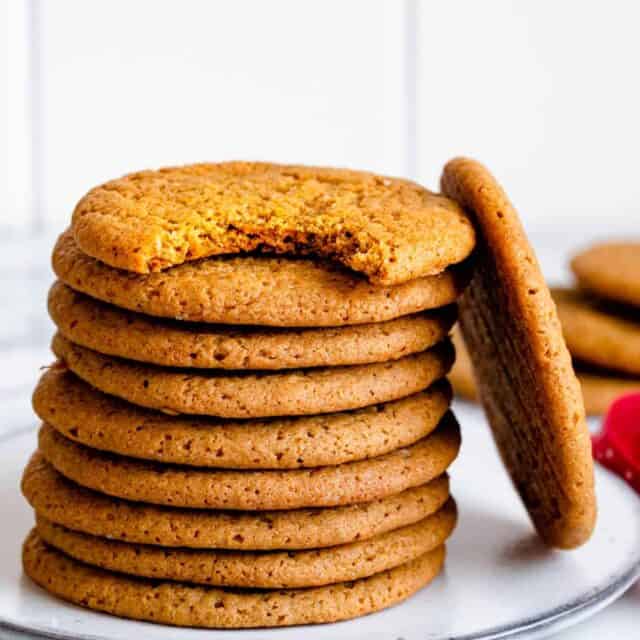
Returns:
(213, 395)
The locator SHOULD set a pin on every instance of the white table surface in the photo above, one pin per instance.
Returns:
(25, 332)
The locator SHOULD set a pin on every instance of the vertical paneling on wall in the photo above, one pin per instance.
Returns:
(15, 133)
(546, 94)
(127, 85)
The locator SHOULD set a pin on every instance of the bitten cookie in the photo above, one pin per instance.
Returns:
(389, 229)
(250, 290)
(263, 570)
(65, 503)
(257, 394)
(343, 484)
(524, 373)
(610, 271)
(209, 607)
(90, 417)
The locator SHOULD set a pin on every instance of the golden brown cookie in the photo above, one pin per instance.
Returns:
(74, 507)
(264, 570)
(610, 271)
(117, 332)
(254, 395)
(461, 375)
(197, 606)
(103, 422)
(251, 290)
(191, 487)
(391, 230)
(523, 368)
(599, 388)
(599, 334)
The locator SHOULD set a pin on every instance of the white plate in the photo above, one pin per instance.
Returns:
(499, 581)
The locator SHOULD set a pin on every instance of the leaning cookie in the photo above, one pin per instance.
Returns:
(525, 378)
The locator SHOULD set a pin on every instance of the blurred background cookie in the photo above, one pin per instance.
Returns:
(610, 271)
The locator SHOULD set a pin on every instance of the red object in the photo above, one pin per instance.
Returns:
(617, 446)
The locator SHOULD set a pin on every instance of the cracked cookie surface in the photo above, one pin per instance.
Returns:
(389, 229)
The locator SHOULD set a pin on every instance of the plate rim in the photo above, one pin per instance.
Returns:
(578, 609)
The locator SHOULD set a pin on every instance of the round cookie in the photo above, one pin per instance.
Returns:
(118, 332)
(391, 230)
(85, 415)
(523, 368)
(65, 503)
(256, 395)
(197, 606)
(255, 290)
(610, 271)
(190, 487)
(264, 570)
(597, 334)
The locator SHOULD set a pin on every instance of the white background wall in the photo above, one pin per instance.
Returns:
(546, 93)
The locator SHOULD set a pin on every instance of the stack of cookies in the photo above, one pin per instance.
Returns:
(248, 420)
(600, 320)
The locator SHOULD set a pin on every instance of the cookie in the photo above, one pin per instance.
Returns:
(525, 378)
(599, 389)
(389, 229)
(66, 503)
(597, 333)
(610, 271)
(264, 570)
(103, 422)
(117, 332)
(250, 290)
(197, 606)
(461, 375)
(344, 484)
(254, 395)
